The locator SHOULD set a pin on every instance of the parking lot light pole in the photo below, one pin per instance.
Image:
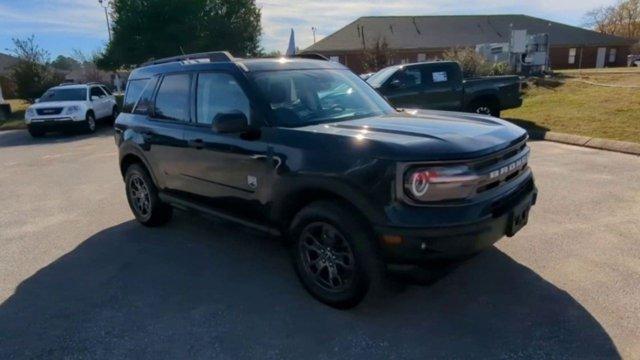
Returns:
(105, 5)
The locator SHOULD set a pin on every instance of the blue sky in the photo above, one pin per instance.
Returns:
(63, 25)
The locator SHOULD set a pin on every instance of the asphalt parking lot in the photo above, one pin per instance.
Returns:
(80, 279)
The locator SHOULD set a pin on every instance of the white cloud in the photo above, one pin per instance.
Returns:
(77, 17)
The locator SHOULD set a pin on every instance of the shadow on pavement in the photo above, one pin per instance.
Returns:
(536, 132)
(197, 288)
(10, 138)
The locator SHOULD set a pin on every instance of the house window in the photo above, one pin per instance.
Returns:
(422, 57)
(612, 55)
(572, 55)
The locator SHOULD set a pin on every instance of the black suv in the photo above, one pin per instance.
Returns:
(305, 149)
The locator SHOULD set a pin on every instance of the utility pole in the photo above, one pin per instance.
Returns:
(105, 6)
(313, 30)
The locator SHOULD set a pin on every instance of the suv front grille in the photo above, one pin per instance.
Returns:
(49, 111)
(502, 168)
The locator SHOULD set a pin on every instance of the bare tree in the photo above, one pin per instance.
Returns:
(377, 56)
(622, 19)
(90, 72)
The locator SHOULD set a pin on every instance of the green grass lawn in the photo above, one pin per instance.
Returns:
(16, 121)
(569, 105)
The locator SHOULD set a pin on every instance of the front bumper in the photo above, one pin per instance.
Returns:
(421, 244)
(54, 124)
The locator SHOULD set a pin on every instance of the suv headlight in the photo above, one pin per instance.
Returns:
(72, 109)
(31, 112)
(428, 184)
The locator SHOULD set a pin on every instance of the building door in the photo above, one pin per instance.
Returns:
(602, 53)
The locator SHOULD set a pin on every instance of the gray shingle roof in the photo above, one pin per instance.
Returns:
(438, 32)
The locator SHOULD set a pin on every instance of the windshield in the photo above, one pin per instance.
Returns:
(306, 97)
(77, 94)
(377, 79)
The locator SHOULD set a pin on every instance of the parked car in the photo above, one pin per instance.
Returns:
(440, 85)
(306, 150)
(71, 107)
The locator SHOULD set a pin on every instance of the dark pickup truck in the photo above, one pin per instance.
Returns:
(307, 150)
(440, 86)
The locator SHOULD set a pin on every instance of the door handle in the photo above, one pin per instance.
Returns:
(196, 143)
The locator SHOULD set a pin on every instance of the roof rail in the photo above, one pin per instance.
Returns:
(312, 56)
(213, 56)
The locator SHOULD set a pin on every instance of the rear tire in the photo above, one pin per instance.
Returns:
(36, 133)
(143, 199)
(114, 115)
(89, 124)
(334, 254)
(485, 107)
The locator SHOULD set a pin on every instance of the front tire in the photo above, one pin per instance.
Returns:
(143, 199)
(334, 254)
(36, 133)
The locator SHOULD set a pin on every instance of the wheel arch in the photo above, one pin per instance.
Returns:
(488, 97)
(131, 157)
(295, 199)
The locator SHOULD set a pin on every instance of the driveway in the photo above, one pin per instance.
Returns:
(80, 279)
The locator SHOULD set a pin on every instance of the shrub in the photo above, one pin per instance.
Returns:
(30, 74)
(474, 64)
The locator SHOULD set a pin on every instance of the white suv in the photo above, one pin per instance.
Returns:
(74, 106)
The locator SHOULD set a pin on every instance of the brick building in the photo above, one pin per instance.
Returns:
(420, 38)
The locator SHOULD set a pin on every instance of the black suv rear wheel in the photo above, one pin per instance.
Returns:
(142, 195)
(334, 254)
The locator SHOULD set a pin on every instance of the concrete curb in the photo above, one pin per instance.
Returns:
(15, 127)
(585, 141)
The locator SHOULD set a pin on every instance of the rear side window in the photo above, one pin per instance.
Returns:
(172, 101)
(134, 90)
(219, 93)
(146, 99)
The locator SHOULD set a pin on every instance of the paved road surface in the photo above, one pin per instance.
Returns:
(80, 279)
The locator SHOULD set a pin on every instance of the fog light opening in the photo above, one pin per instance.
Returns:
(392, 239)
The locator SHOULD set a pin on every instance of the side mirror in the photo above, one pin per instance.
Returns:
(37, 100)
(94, 98)
(233, 122)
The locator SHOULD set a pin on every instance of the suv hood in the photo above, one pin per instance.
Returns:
(425, 135)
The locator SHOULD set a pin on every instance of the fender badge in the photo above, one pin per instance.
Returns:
(252, 181)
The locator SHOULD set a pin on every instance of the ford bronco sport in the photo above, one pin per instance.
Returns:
(305, 149)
